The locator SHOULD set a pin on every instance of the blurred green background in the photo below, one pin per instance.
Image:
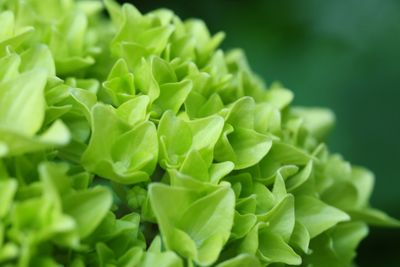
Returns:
(341, 54)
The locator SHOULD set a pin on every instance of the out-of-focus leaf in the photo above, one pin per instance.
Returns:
(22, 102)
(317, 216)
(7, 191)
(241, 260)
(88, 208)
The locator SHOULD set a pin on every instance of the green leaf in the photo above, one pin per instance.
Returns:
(105, 254)
(9, 66)
(242, 225)
(88, 208)
(317, 216)
(14, 40)
(131, 258)
(195, 166)
(22, 103)
(374, 217)
(336, 248)
(219, 170)
(281, 218)
(38, 57)
(274, 249)
(134, 111)
(206, 132)
(297, 180)
(15, 143)
(241, 113)
(167, 259)
(135, 141)
(128, 157)
(288, 154)
(7, 192)
(241, 260)
(136, 149)
(363, 180)
(278, 96)
(346, 238)
(300, 237)
(243, 147)
(175, 138)
(203, 238)
(178, 136)
(172, 96)
(267, 118)
(120, 83)
(317, 121)
(55, 181)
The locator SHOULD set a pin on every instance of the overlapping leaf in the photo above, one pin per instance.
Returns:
(135, 141)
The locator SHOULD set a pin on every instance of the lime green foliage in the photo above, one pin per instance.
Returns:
(134, 141)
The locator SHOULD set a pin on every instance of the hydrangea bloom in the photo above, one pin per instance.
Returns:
(135, 141)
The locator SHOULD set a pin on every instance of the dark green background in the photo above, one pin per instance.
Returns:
(341, 54)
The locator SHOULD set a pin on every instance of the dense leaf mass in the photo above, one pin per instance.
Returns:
(133, 140)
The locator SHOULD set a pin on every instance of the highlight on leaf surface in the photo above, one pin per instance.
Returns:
(130, 139)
